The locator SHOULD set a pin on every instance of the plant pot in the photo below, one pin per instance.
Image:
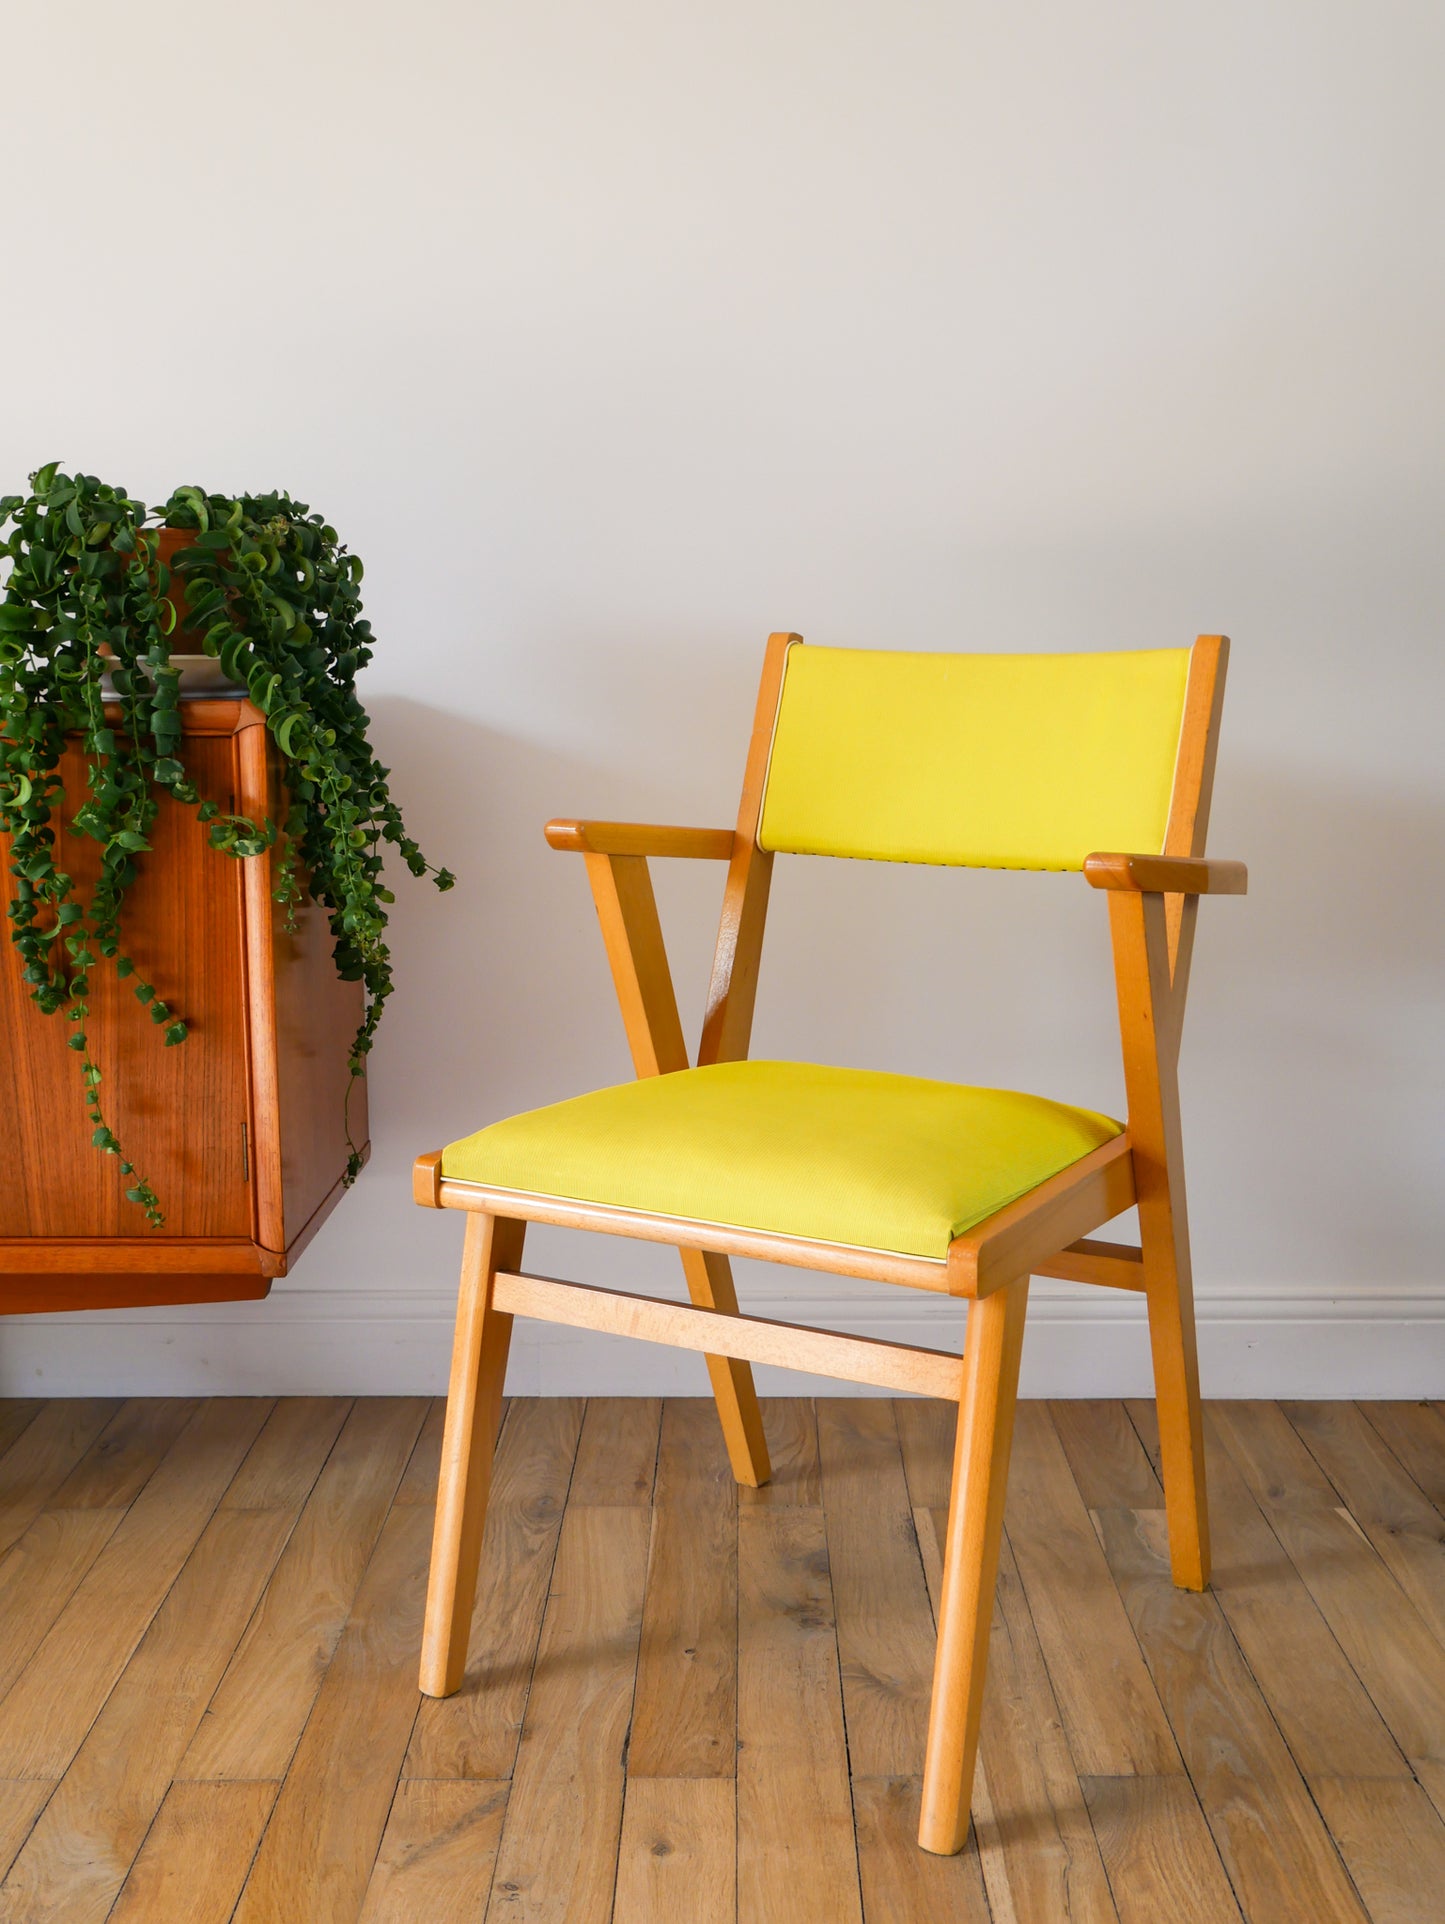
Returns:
(202, 677)
(201, 673)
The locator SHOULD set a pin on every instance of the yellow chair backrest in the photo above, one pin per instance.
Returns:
(977, 761)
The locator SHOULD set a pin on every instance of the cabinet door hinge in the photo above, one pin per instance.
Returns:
(245, 1154)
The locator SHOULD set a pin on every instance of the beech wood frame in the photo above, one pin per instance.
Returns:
(1153, 901)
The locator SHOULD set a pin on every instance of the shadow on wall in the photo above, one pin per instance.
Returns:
(1320, 998)
(1312, 1108)
(502, 986)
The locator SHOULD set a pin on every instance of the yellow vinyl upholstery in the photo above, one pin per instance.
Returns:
(978, 761)
(875, 1161)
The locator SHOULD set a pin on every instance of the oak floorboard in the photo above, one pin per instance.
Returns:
(474, 1733)
(44, 1719)
(617, 1452)
(1391, 1649)
(885, 1640)
(255, 1718)
(17, 1413)
(43, 1455)
(678, 1858)
(437, 1852)
(174, 1559)
(43, 1567)
(684, 1718)
(1031, 1827)
(901, 1883)
(196, 1854)
(1323, 1710)
(79, 1853)
(419, 1478)
(1161, 1859)
(1279, 1856)
(39, 1575)
(289, 1454)
(927, 1427)
(318, 1851)
(1408, 1532)
(558, 1855)
(1393, 1841)
(791, 1426)
(1109, 1464)
(20, 1804)
(797, 1858)
(125, 1455)
(1416, 1433)
(1111, 1711)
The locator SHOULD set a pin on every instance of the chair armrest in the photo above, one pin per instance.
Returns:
(641, 838)
(1166, 874)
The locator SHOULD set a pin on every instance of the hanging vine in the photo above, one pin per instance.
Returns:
(87, 623)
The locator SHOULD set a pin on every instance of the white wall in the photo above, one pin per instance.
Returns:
(614, 336)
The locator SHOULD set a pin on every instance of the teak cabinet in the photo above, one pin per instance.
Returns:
(241, 1128)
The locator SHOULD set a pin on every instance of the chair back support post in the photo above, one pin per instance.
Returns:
(732, 993)
(1194, 781)
(1153, 941)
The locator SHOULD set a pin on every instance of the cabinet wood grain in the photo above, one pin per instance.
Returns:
(241, 1130)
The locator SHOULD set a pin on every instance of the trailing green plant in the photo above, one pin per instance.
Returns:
(87, 623)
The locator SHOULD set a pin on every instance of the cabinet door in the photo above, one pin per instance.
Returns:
(181, 1113)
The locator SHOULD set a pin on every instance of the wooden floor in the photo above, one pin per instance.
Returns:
(692, 1704)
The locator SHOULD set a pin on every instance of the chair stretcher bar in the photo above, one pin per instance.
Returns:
(1111, 1265)
(857, 1359)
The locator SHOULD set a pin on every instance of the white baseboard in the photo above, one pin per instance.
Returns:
(1271, 1341)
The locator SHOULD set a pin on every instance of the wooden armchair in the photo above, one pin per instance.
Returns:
(1032, 761)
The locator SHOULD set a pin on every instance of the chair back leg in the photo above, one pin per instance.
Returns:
(710, 1285)
(474, 1410)
(992, 1347)
(1151, 1008)
(1170, 1294)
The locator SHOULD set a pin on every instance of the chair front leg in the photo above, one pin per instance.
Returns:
(992, 1347)
(474, 1409)
(710, 1285)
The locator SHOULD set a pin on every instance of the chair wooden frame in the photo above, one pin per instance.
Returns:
(1152, 909)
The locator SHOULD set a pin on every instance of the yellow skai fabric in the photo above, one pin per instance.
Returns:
(979, 761)
(841, 1155)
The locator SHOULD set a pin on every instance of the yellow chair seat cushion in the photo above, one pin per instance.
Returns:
(880, 1162)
